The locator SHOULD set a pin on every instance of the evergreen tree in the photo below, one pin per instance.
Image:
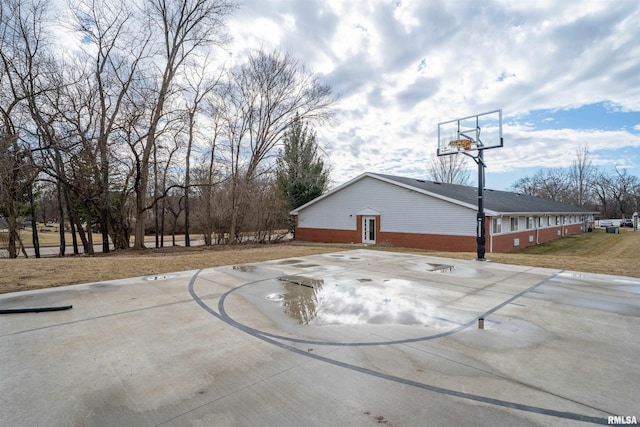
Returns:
(301, 175)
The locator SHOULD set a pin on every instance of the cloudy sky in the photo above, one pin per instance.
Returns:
(564, 73)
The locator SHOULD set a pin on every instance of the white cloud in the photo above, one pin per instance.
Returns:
(403, 66)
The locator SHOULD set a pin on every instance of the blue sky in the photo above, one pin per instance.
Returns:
(564, 74)
(593, 119)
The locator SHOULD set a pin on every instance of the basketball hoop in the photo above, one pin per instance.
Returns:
(464, 144)
(464, 134)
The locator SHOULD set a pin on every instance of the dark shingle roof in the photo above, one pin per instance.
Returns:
(497, 201)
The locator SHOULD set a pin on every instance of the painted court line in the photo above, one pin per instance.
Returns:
(271, 339)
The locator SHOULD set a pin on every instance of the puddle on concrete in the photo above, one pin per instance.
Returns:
(244, 268)
(303, 281)
(275, 297)
(357, 301)
(160, 277)
(301, 297)
(449, 269)
(440, 268)
(306, 265)
(289, 261)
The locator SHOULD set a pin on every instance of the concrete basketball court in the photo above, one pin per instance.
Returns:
(349, 338)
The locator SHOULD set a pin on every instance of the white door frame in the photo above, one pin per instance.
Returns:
(369, 229)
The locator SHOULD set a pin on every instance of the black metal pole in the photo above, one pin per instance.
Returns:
(480, 232)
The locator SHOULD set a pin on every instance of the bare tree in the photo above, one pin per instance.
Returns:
(582, 173)
(623, 189)
(198, 89)
(449, 169)
(184, 27)
(114, 48)
(268, 211)
(602, 188)
(209, 176)
(553, 184)
(22, 79)
(261, 100)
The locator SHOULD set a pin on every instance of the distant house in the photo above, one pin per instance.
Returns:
(387, 210)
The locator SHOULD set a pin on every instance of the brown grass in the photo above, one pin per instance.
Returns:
(24, 274)
(596, 252)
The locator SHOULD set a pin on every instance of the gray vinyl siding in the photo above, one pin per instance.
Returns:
(401, 210)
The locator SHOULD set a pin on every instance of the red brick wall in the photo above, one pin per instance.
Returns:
(504, 242)
(499, 243)
(440, 242)
(328, 235)
(405, 240)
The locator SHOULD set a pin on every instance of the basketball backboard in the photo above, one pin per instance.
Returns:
(472, 133)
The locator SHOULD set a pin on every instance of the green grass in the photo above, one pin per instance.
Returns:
(596, 243)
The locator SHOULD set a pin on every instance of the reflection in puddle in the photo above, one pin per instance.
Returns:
(303, 281)
(440, 268)
(352, 302)
(300, 300)
(244, 267)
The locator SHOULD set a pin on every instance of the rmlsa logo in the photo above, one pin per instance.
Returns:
(619, 419)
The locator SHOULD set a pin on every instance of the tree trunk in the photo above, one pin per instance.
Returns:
(187, 181)
(232, 226)
(142, 180)
(162, 210)
(89, 250)
(34, 225)
(104, 208)
(12, 222)
(72, 219)
(61, 220)
(208, 220)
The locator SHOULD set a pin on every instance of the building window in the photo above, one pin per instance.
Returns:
(529, 223)
(514, 224)
(548, 221)
(497, 225)
(557, 220)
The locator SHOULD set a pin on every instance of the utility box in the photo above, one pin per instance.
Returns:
(614, 230)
